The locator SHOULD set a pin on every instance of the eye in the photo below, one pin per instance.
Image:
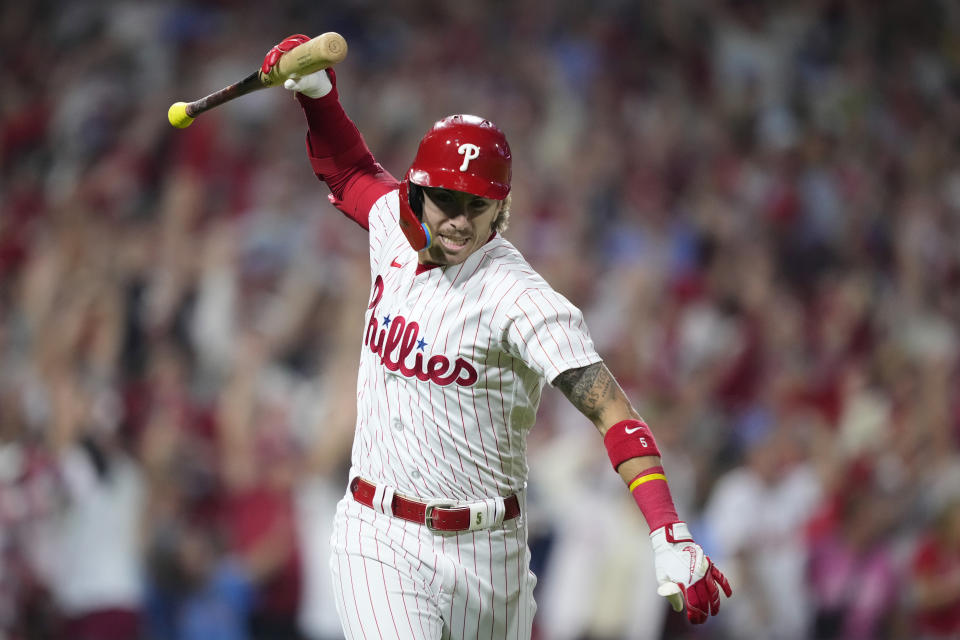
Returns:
(441, 197)
(479, 204)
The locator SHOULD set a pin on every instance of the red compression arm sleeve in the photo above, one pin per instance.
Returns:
(652, 494)
(340, 157)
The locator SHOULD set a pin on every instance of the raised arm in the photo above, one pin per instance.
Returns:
(685, 574)
(338, 154)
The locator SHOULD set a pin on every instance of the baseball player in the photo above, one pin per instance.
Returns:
(460, 336)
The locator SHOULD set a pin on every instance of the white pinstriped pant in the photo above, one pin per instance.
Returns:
(394, 579)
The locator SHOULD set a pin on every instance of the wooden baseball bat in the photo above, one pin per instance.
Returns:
(321, 52)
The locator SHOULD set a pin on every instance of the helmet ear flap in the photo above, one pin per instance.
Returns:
(417, 233)
(415, 196)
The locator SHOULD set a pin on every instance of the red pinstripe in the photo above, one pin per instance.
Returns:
(389, 428)
(432, 403)
(345, 615)
(496, 438)
(386, 589)
(546, 327)
(506, 572)
(493, 607)
(532, 326)
(354, 590)
(473, 396)
(557, 314)
(449, 488)
(403, 538)
(358, 441)
(521, 578)
(377, 427)
(366, 572)
(443, 549)
(454, 281)
(443, 396)
(382, 429)
(419, 441)
(466, 600)
(373, 387)
(463, 422)
(503, 408)
(433, 580)
(579, 335)
(476, 571)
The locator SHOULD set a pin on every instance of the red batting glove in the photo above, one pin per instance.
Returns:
(686, 575)
(703, 597)
(288, 44)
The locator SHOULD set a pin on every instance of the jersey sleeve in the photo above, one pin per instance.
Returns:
(548, 333)
(340, 157)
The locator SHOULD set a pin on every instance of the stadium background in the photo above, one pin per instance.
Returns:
(757, 205)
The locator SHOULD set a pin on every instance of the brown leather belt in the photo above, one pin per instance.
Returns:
(431, 515)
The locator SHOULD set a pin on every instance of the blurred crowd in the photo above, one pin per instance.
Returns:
(755, 203)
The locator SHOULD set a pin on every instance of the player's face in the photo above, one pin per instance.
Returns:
(461, 223)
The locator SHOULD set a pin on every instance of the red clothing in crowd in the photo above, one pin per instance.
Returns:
(933, 559)
(261, 516)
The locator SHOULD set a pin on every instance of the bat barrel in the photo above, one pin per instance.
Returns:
(321, 52)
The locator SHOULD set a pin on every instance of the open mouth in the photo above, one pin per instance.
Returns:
(453, 243)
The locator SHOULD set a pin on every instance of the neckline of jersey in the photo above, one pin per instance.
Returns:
(423, 267)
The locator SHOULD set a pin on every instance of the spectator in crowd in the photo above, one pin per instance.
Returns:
(935, 577)
(757, 516)
(197, 589)
(853, 573)
(94, 564)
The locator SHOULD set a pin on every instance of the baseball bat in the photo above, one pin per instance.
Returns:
(318, 53)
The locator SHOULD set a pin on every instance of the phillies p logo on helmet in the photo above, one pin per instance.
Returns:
(469, 152)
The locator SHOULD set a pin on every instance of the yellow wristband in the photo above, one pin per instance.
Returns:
(647, 478)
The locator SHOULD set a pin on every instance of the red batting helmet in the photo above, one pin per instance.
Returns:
(461, 153)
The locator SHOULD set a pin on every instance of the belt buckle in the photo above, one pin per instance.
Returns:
(428, 512)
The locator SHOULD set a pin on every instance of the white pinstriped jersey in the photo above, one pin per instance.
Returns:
(453, 363)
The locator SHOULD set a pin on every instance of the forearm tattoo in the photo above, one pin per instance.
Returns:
(591, 389)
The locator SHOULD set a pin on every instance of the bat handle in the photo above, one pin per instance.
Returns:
(215, 99)
(181, 114)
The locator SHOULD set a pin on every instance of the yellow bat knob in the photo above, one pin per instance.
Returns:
(177, 115)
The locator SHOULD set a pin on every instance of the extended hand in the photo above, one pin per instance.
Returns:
(287, 44)
(685, 574)
(314, 85)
